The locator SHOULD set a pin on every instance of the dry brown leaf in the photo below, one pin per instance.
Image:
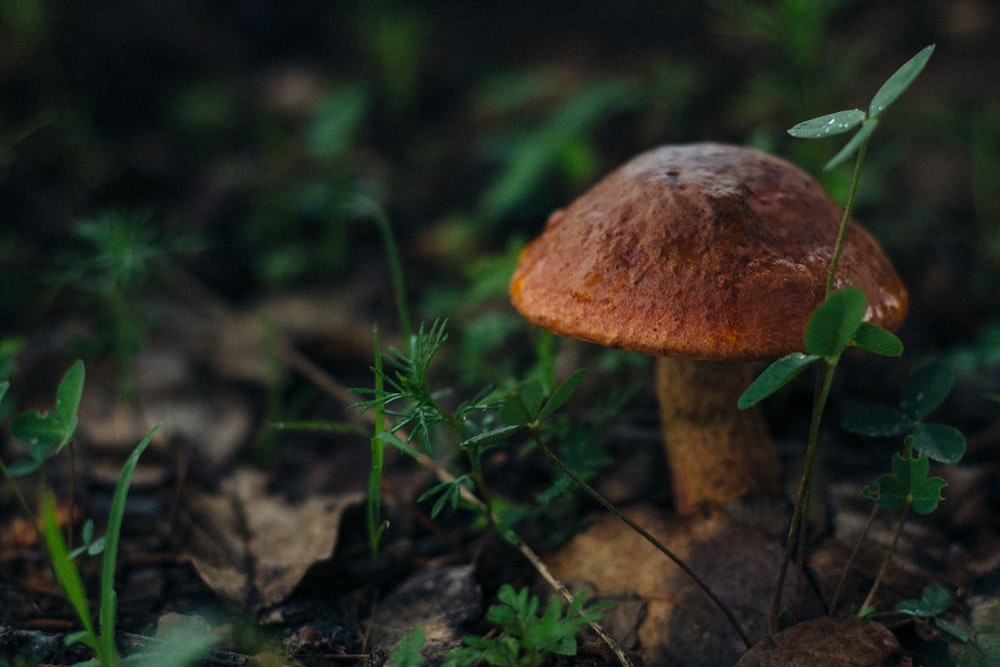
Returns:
(681, 625)
(843, 641)
(252, 548)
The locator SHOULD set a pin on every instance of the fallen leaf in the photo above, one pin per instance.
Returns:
(252, 548)
(680, 625)
(842, 641)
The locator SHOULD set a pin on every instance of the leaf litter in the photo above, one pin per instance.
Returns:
(253, 548)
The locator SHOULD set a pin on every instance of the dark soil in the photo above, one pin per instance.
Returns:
(204, 118)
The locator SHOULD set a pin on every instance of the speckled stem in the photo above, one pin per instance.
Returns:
(716, 452)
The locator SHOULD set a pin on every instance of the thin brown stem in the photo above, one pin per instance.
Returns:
(888, 558)
(852, 558)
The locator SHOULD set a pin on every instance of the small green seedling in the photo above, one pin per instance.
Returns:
(524, 407)
(909, 485)
(113, 256)
(840, 122)
(934, 601)
(404, 403)
(833, 327)
(836, 324)
(527, 638)
(407, 651)
(408, 415)
(90, 545)
(46, 433)
(99, 637)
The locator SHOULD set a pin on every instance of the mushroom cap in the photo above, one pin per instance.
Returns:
(702, 251)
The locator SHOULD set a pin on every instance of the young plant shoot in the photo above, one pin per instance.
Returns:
(839, 322)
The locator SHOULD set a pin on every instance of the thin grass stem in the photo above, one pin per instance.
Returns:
(845, 219)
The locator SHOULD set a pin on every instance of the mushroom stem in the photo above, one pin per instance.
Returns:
(716, 451)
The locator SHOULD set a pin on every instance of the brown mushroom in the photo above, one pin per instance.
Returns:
(702, 255)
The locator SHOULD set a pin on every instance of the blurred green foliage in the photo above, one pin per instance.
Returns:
(544, 150)
(107, 270)
(258, 129)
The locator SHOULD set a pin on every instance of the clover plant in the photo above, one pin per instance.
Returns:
(934, 601)
(837, 323)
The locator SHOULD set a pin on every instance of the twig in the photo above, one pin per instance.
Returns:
(560, 588)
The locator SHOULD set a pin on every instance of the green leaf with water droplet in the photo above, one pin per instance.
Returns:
(38, 430)
(934, 599)
(828, 125)
(897, 84)
(926, 389)
(877, 421)
(776, 376)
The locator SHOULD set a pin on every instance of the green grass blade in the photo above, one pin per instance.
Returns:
(371, 208)
(109, 602)
(66, 572)
(373, 507)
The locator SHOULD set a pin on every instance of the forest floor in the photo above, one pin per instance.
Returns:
(244, 528)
